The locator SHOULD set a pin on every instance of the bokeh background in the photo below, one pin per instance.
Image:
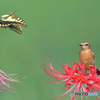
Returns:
(55, 28)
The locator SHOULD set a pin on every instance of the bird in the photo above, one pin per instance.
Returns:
(86, 56)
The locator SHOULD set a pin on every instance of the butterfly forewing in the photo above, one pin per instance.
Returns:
(14, 18)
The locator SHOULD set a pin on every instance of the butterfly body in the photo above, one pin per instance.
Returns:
(13, 22)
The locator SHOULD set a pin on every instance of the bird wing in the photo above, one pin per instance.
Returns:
(93, 55)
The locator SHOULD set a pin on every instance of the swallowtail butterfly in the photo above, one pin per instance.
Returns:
(13, 22)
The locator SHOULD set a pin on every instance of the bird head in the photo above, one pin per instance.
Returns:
(85, 45)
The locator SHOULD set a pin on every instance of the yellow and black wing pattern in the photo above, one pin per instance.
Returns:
(16, 28)
(13, 22)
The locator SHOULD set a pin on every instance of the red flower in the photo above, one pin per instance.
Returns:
(88, 82)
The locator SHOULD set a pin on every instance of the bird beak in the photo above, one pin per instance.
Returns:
(80, 44)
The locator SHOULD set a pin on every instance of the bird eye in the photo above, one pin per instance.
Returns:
(86, 44)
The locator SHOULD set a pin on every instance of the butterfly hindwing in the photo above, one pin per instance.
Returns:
(17, 29)
(4, 24)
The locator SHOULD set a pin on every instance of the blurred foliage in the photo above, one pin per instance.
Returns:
(55, 28)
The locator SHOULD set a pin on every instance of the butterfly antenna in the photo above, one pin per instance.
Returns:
(16, 11)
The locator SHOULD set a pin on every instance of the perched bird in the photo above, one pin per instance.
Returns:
(87, 56)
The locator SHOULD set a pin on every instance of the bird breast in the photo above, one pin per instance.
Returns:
(87, 58)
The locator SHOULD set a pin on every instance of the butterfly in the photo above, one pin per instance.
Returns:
(13, 22)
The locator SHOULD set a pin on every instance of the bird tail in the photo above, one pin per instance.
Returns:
(98, 72)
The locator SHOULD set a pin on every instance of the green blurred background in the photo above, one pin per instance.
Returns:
(55, 28)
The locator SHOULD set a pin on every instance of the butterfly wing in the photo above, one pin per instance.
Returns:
(16, 28)
(13, 22)
(14, 18)
(4, 24)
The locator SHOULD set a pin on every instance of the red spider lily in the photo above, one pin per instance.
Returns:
(88, 82)
(4, 79)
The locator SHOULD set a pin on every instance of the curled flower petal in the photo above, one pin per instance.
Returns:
(4, 79)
